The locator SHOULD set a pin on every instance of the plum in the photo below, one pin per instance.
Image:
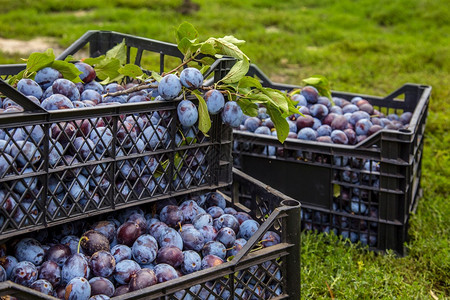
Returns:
(75, 266)
(170, 237)
(67, 88)
(46, 76)
(8, 263)
(92, 241)
(142, 279)
(169, 87)
(78, 289)
(215, 199)
(192, 239)
(128, 232)
(307, 134)
(145, 249)
(192, 262)
(88, 73)
(121, 252)
(318, 111)
(270, 238)
(165, 272)
(58, 253)
(187, 113)
(191, 78)
(210, 261)
(102, 263)
(215, 248)
(29, 87)
(125, 270)
(29, 249)
(24, 273)
(232, 114)
(101, 286)
(247, 229)
(170, 255)
(226, 236)
(51, 272)
(43, 286)
(304, 121)
(171, 215)
(214, 101)
(226, 220)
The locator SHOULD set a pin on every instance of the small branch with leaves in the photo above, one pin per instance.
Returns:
(246, 91)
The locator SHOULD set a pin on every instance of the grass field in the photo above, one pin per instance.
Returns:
(370, 47)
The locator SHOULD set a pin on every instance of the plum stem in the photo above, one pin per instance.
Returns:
(79, 242)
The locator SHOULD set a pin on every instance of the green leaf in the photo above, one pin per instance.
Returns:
(206, 60)
(248, 81)
(204, 121)
(293, 110)
(314, 80)
(108, 67)
(224, 47)
(178, 163)
(119, 52)
(237, 72)
(14, 79)
(321, 84)
(143, 77)
(69, 58)
(68, 70)
(248, 107)
(131, 70)
(114, 79)
(258, 97)
(37, 61)
(204, 68)
(156, 76)
(94, 60)
(186, 30)
(183, 45)
(244, 90)
(207, 49)
(280, 123)
(294, 91)
(233, 40)
(278, 97)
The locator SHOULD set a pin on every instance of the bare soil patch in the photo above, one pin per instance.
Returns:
(38, 44)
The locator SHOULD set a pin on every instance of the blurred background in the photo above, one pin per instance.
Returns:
(369, 47)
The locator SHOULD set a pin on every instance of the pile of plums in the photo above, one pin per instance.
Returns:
(345, 122)
(135, 248)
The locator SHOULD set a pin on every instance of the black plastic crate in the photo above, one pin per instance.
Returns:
(254, 273)
(328, 178)
(54, 176)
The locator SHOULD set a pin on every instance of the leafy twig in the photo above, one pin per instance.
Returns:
(180, 66)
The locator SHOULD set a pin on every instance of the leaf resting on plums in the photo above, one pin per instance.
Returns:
(204, 121)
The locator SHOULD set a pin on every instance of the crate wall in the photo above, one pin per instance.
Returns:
(254, 272)
(64, 165)
(375, 183)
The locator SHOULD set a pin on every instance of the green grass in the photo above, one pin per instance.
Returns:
(370, 47)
